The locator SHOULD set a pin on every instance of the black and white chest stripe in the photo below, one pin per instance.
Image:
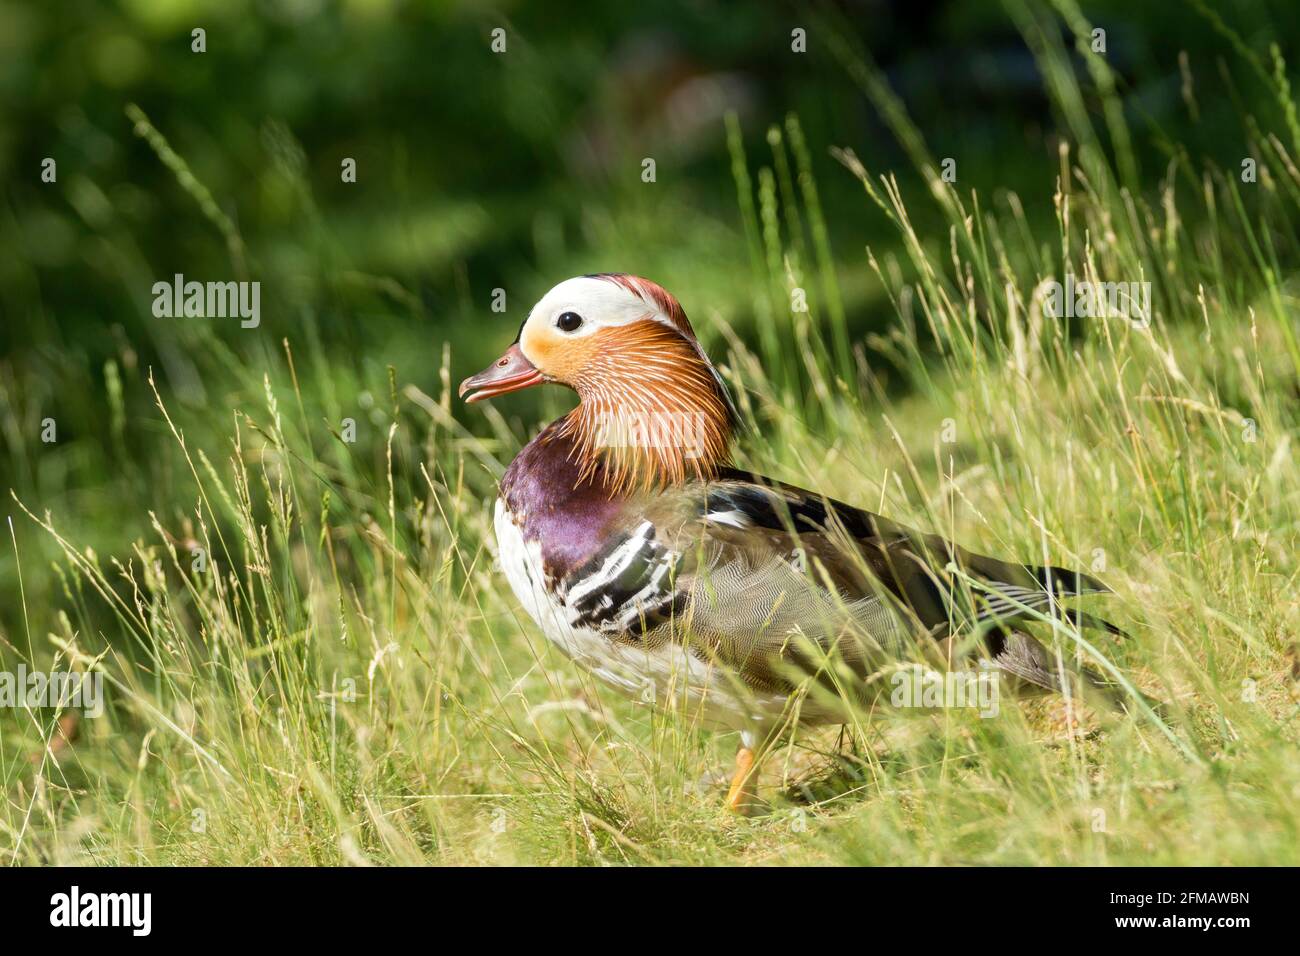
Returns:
(631, 586)
(628, 589)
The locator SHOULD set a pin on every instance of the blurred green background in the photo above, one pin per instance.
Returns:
(476, 171)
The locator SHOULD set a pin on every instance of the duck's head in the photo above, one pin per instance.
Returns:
(652, 408)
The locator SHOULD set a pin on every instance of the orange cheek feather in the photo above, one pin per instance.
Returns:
(556, 356)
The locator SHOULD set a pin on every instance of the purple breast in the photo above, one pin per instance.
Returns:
(572, 520)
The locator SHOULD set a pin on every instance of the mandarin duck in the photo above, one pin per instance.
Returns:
(647, 558)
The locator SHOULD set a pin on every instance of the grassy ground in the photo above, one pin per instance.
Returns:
(348, 680)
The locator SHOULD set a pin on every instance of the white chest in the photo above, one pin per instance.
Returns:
(521, 562)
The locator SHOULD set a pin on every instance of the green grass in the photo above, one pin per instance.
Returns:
(349, 681)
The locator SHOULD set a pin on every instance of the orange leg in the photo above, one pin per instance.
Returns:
(743, 795)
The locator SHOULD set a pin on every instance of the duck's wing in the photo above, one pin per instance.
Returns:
(940, 585)
(764, 577)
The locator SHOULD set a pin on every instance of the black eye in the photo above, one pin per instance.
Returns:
(568, 322)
